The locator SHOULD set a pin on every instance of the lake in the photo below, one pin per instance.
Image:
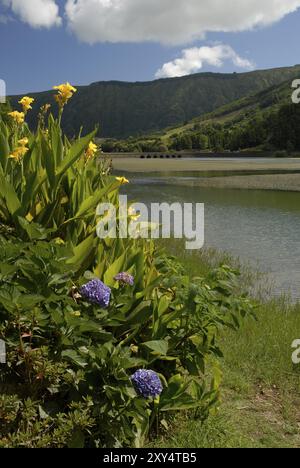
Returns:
(258, 226)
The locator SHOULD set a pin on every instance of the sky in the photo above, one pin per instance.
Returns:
(48, 42)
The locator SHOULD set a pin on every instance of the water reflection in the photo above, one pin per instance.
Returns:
(259, 226)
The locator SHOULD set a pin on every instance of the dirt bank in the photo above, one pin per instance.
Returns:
(205, 165)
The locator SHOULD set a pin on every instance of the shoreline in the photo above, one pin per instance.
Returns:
(277, 182)
(205, 165)
(279, 175)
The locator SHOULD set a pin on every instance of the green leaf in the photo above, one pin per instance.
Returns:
(77, 440)
(33, 230)
(49, 161)
(56, 143)
(71, 355)
(114, 269)
(4, 147)
(7, 270)
(82, 251)
(91, 202)
(8, 193)
(28, 301)
(163, 305)
(74, 154)
(159, 347)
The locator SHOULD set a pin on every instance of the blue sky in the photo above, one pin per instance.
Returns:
(35, 57)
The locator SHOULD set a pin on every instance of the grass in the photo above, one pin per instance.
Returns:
(260, 404)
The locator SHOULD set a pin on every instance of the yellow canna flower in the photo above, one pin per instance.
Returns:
(65, 92)
(44, 109)
(66, 88)
(59, 241)
(18, 117)
(29, 217)
(122, 180)
(23, 142)
(19, 153)
(134, 216)
(134, 349)
(26, 103)
(91, 151)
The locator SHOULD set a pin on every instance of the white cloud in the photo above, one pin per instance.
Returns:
(192, 60)
(36, 13)
(169, 21)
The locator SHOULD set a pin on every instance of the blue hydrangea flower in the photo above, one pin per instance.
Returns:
(125, 278)
(147, 383)
(96, 292)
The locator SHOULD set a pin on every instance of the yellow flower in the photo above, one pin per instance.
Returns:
(66, 88)
(134, 349)
(59, 241)
(29, 217)
(23, 142)
(122, 180)
(44, 109)
(91, 151)
(19, 153)
(18, 117)
(26, 103)
(134, 216)
(65, 92)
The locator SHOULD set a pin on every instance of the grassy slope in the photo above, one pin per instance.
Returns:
(242, 110)
(238, 112)
(261, 389)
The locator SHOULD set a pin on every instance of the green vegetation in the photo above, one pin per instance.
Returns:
(260, 390)
(4, 109)
(124, 109)
(74, 332)
(261, 387)
(266, 121)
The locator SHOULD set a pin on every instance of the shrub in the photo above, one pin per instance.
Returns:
(76, 331)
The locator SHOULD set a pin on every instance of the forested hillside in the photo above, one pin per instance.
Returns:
(267, 121)
(124, 109)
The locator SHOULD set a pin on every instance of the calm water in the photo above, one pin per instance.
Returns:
(262, 227)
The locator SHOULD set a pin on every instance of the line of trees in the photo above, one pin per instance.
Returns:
(276, 130)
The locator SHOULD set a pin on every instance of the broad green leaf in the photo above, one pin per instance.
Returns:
(33, 230)
(163, 304)
(8, 193)
(159, 347)
(82, 251)
(74, 153)
(91, 202)
(114, 269)
(73, 356)
(77, 440)
(4, 149)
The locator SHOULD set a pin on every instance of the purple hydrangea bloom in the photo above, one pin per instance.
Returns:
(96, 292)
(125, 278)
(147, 383)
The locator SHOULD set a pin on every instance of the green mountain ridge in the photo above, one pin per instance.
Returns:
(122, 109)
(267, 120)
